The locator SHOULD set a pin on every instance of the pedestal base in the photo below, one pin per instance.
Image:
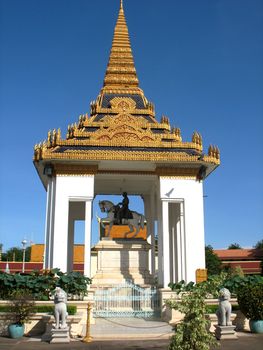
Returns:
(225, 332)
(60, 335)
(122, 260)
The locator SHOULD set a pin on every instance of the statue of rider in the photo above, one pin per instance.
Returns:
(124, 210)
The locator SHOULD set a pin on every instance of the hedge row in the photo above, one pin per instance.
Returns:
(72, 309)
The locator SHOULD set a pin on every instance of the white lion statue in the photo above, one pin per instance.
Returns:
(224, 310)
(60, 312)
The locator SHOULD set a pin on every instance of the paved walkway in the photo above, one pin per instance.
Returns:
(246, 341)
(128, 334)
(130, 328)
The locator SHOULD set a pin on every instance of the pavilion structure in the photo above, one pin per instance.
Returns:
(121, 146)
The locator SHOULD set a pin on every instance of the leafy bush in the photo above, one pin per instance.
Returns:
(235, 283)
(192, 332)
(73, 283)
(42, 284)
(21, 306)
(250, 300)
(216, 282)
(210, 287)
(38, 285)
(181, 286)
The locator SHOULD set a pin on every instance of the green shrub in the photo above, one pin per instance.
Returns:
(21, 306)
(216, 282)
(4, 308)
(72, 309)
(211, 309)
(210, 287)
(41, 284)
(192, 332)
(250, 300)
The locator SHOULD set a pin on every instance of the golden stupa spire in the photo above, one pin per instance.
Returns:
(121, 71)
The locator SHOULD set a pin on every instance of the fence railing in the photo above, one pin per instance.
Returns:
(126, 300)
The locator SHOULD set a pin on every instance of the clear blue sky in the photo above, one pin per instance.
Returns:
(200, 62)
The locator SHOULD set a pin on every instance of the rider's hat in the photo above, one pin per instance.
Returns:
(124, 194)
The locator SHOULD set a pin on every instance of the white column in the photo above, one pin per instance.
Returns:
(166, 244)
(152, 208)
(69, 188)
(47, 233)
(183, 245)
(189, 193)
(147, 210)
(50, 208)
(60, 248)
(71, 225)
(160, 245)
(87, 253)
(173, 251)
(179, 248)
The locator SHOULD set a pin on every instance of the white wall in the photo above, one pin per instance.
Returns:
(191, 193)
(68, 188)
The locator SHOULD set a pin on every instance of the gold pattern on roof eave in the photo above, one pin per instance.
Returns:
(123, 130)
(98, 155)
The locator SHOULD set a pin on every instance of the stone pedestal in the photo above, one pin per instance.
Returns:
(121, 260)
(60, 335)
(75, 322)
(225, 332)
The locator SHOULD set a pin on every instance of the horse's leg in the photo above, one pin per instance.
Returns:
(110, 227)
(130, 227)
(137, 226)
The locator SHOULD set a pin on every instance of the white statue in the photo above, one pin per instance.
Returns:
(224, 311)
(60, 312)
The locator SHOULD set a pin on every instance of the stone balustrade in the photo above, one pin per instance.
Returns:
(173, 316)
(41, 323)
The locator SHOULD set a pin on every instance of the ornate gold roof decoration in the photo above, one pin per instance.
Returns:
(119, 133)
(122, 125)
(121, 72)
(121, 78)
(213, 151)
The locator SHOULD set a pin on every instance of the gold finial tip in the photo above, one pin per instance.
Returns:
(121, 4)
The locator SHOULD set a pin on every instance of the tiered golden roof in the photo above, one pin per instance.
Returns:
(122, 124)
(121, 72)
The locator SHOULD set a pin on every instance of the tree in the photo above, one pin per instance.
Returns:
(259, 244)
(213, 263)
(234, 246)
(236, 271)
(16, 253)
